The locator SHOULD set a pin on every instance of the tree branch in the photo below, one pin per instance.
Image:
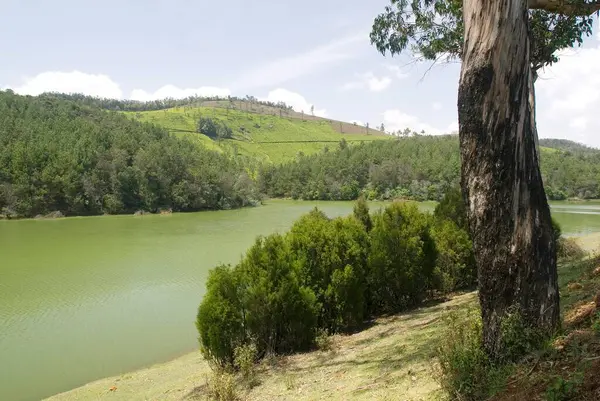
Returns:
(565, 7)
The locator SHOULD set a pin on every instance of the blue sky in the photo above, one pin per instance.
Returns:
(304, 53)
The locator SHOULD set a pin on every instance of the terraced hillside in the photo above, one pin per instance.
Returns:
(267, 133)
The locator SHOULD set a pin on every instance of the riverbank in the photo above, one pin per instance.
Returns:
(394, 355)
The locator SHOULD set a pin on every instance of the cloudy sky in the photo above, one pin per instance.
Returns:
(301, 52)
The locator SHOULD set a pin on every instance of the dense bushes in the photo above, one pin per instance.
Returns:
(402, 257)
(60, 155)
(330, 275)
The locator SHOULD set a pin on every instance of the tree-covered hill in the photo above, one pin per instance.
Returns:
(567, 145)
(418, 167)
(61, 155)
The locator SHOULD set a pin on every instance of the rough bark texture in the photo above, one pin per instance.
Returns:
(507, 208)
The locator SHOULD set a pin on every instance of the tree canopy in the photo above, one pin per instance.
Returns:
(434, 30)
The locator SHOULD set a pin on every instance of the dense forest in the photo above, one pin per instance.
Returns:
(418, 167)
(60, 155)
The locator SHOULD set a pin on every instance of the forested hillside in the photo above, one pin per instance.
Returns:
(85, 156)
(419, 167)
(60, 155)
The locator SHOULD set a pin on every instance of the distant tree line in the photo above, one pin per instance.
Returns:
(159, 104)
(60, 155)
(331, 275)
(418, 167)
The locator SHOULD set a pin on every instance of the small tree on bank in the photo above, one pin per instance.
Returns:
(502, 44)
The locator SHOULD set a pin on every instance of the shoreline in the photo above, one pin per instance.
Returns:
(52, 216)
(190, 371)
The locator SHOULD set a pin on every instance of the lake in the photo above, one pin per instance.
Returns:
(90, 297)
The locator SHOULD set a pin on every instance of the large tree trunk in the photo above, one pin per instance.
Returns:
(508, 213)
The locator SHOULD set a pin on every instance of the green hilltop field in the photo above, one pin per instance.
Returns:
(265, 133)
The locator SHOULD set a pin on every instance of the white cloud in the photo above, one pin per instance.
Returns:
(103, 86)
(396, 120)
(437, 106)
(357, 122)
(568, 94)
(293, 99)
(287, 68)
(397, 71)
(369, 81)
(178, 93)
(69, 82)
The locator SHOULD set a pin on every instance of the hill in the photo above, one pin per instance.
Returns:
(568, 146)
(263, 131)
(260, 132)
(60, 155)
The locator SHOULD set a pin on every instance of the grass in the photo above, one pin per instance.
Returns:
(266, 137)
(568, 368)
(393, 356)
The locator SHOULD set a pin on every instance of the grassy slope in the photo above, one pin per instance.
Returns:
(266, 137)
(392, 357)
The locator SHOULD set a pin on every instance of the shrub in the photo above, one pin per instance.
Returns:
(556, 229)
(465, 371)
(220, 320)
(455, 264)
(346, 296)
(323, 340)
(569, 249)
(517, 339)
(280, 313)
(452, 207)
(244, 359)
(361, 213)
(402, 258)
(332, 257)
(563, 390)
(261, 299)
(221, 386)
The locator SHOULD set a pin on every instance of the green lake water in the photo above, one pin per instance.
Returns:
(86, 298)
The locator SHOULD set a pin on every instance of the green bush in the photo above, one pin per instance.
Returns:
(329, 275)
(517, 339)
(332, 258)
(452, 207)
(280, 314)
(465, 371)
(361, 213)
(402, 258)
(220, 319)
(455, 265)
(244, 359)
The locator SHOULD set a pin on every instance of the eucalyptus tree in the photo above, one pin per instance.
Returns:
(502, 44)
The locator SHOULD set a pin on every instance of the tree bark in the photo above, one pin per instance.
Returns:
(508, 212)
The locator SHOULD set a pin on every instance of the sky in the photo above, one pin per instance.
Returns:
(308, 53)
